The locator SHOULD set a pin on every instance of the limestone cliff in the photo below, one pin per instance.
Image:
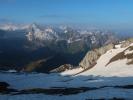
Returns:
(92, 56)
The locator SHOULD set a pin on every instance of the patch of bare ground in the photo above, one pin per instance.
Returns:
(129, 63)
(67, 91)
(94, 63)
(4, 88)
(55, 91)
(130, 48)
(114, 98)
(61, 90)
(35, 64)
(122, 55)
(125, 87)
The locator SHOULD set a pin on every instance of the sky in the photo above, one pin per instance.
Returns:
(101, 13)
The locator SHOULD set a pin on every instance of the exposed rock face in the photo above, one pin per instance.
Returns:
(92, 56)
(3, 86)
(127, 43)
(62, 68)
(126, 54)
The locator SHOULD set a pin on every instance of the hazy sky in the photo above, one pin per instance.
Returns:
(114, 13)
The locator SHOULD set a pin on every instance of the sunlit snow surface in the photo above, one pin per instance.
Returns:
(108, 77)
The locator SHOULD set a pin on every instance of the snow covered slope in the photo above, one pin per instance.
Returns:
(115, 62)
(111, 78)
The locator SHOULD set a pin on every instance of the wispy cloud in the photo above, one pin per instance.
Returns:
(55, 16)
(6, 20)
(50, 16)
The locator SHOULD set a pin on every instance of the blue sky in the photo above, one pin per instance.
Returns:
(114, 13)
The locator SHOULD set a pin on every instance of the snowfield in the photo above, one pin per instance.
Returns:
(112, 81)
(106, 86)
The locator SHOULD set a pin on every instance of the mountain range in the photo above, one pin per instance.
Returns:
(104, 73)
(42, 48)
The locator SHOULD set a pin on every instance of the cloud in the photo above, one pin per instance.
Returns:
(6, 20)
(54, 16)
(51, 16)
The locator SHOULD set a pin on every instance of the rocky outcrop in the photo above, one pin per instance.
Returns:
(3, 86)
(126, 43)
(62, 68)
(126, 54)
(92, 56)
